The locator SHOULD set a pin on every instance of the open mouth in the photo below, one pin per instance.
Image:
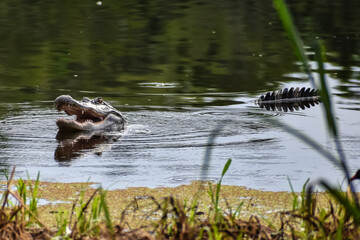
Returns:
(90, 114)
(83, 117)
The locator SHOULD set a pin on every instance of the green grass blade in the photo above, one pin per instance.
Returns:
(330, 116)
(290, 184)
(34, 191)
(218, 186)
(303, 194)
(106, 212)
(226, 167)
(324, 93)
(298, 46)
(291, 30)
(295, 201)
(345, 202)
(313, 144)
(237, 211)
(211, 194)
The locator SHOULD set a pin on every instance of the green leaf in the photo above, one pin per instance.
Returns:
(226, 167)
(349, 205)
(324, 92)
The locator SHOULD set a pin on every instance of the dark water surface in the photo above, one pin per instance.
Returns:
(178, 70)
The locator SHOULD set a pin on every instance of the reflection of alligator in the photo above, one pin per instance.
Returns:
(289, 99)
(91, 114)
(75, 144)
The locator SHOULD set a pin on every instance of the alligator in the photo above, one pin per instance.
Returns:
(96, 114)
(91, 115)
(289, 99)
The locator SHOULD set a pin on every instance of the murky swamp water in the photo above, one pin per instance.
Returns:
(178, 72)
(166, 147)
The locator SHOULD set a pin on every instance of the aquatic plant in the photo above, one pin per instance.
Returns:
(215, 197)
(175, 220)
(30, 199)
(344, 223)
(299, 50)
(62, 223)
(16, 216)
(19, 214)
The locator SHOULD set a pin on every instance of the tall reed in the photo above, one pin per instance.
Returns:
(298, 46)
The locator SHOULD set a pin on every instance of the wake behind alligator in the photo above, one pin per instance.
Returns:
(289, 99)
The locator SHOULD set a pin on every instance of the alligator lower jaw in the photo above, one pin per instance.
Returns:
(74, 125)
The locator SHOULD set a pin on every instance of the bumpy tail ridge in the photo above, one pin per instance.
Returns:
(290, 95)
(289, 99)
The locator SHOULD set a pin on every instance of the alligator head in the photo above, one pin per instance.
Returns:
(91, 114)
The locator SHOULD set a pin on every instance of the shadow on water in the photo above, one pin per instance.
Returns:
(295, 106)
(72, 145)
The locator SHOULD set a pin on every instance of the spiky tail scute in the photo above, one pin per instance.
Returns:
(289, 99)
(289, 96)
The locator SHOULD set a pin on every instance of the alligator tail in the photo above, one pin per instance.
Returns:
(289, 99)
